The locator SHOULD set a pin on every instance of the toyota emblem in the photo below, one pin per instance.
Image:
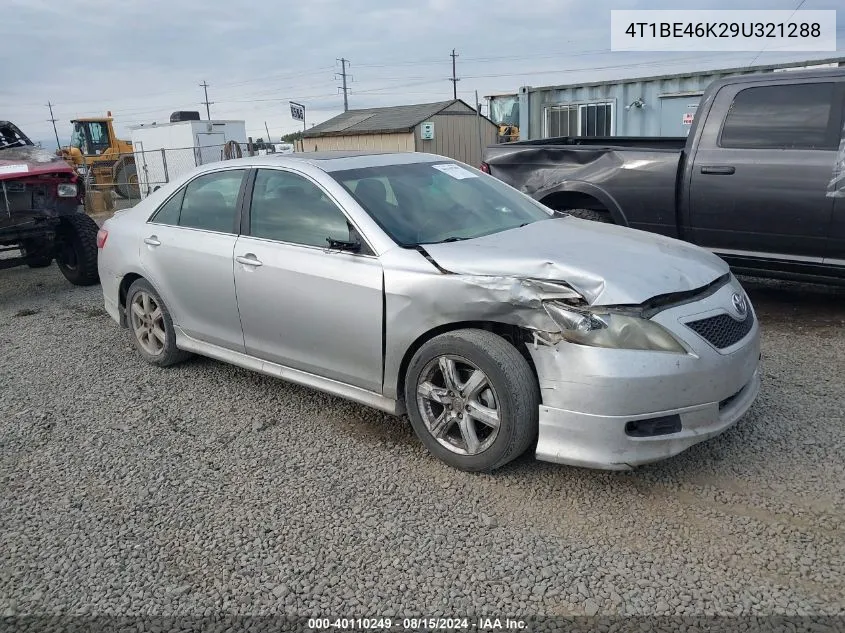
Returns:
(740, 305)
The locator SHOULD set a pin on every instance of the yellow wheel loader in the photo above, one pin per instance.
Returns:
(102, 160)
(504, 112)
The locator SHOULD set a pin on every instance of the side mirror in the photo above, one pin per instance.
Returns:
(341, 245)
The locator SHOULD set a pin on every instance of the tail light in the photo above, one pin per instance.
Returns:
(485, 168)
(102, 236)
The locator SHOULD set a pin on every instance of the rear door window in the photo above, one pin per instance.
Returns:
(209, 202)
(798, 116)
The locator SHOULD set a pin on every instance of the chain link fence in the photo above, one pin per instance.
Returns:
(119, 181)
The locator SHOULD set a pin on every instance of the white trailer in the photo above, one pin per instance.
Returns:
(165, 151)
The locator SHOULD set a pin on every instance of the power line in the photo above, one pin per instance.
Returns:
(343, 61)
(204, 86)
(52, 120)
(454, 78)
(760, 52)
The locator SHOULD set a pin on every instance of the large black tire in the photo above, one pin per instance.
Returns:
(517, 397)
(169, 354)
(37, 253)
(76, 249)
(126, 180)
(590, 214)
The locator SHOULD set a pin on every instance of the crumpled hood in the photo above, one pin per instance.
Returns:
(18, 162)
(606, 264)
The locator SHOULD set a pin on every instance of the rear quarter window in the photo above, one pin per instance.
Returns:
(168, 213)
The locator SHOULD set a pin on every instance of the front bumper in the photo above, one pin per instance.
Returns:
(590, 394)
(596, 441)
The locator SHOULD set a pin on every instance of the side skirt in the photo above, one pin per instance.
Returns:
(334, 387)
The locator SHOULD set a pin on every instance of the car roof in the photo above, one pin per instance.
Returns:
(336, 161)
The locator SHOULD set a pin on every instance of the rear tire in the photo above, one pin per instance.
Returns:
(151, 326)
(590, 214)
(471, 427)
(37, 253)
(76, 252)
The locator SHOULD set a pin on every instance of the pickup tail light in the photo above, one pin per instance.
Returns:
(485, 168)
(102, 236)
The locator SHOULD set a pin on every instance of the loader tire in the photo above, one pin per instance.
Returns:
(126, 181)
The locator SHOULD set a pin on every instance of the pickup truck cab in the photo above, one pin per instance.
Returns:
(760, 180)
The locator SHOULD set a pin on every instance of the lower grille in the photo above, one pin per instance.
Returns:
(727, 401)
(722, 330)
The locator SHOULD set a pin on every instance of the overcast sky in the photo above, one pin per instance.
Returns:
(144, 59)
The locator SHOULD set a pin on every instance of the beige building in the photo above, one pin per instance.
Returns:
(448, 128)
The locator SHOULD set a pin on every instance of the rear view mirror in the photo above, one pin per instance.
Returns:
(342, 245)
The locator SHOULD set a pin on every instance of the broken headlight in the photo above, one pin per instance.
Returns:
(66, 190)
(604, 328)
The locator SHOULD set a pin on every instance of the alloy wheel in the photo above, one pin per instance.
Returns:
(458, 405)
(147, 321)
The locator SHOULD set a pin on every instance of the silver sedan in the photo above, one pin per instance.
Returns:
(412, 283)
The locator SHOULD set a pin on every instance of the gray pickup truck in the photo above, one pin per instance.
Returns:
(760, 180)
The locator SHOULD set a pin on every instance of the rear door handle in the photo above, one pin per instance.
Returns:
(248, 260)
(718, 170)
(152, 240)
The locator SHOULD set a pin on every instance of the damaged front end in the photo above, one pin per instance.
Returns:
(553, 311)
(36, 190)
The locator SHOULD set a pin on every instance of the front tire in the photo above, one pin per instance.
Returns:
(76, 249)
(151, 326)
(126, 181)
(472, 399)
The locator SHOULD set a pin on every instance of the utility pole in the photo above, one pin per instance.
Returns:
(52, 120)
(269, 140)
(207, 103)
(343, 76)
(478, 127)
(454, 78)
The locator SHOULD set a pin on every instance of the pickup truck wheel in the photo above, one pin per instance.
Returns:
(37, 253)
(151, 326)
(590, 214)
(472, 399)
(76, 249)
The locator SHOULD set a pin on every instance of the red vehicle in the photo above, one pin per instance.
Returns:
(39, 211)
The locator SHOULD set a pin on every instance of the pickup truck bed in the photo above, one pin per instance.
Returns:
(760, 180)
(633, 180)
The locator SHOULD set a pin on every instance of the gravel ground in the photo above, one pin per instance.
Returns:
(206, 489)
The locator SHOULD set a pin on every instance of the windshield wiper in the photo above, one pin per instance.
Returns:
(453, 238)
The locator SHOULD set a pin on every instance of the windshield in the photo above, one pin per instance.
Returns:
(504, 110)
(77, 137)
(425, 203)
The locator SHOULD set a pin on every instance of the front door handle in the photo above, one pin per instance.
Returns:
(248, 260)
(718, 170)
(152, 240)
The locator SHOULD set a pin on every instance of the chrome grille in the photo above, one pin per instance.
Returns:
(722, 330)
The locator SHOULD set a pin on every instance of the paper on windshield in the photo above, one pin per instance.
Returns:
(455, 171)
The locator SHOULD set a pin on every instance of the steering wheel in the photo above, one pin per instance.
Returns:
(430, 219)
